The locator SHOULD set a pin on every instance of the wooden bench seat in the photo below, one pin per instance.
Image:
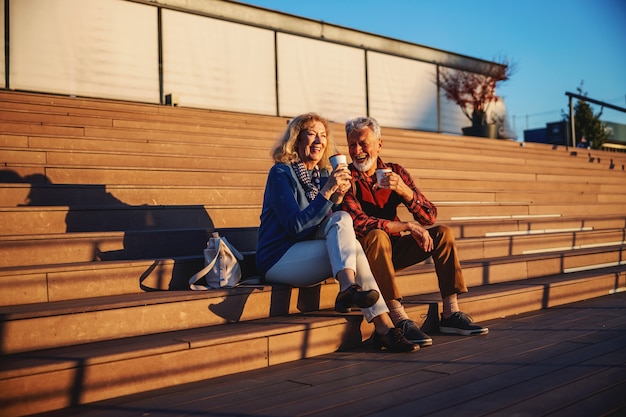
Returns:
(141, 363)
(79, 288)
(71, 322)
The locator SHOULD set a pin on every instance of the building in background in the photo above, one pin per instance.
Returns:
(557, 133)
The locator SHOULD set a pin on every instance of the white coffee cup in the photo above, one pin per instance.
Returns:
(381, 173)
(338, 159)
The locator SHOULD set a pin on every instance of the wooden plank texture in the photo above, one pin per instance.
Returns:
(568, 360)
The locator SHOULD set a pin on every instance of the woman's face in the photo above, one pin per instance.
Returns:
(312, 143)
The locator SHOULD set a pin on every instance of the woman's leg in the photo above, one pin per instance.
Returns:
(338, 233)
(305, 264)
(310, 262)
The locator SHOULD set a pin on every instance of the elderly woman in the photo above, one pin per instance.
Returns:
(302, 241)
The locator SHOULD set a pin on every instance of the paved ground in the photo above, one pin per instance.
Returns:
(564, 361)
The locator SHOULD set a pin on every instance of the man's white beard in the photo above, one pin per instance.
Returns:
(364, 166)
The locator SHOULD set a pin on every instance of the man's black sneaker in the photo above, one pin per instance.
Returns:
(413, 334)
(461, 323)
(393, 341)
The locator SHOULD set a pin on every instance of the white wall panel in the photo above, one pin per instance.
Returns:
(85, 47)
(452, 118)
(402, 92)
(320, 76)
(211, 63)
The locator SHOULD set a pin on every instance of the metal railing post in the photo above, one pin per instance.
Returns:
(571, 122)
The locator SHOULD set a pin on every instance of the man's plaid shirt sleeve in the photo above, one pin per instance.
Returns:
(423, 210)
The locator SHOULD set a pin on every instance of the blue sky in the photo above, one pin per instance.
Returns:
(555, 44)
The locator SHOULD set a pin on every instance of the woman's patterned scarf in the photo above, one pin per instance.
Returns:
(311, 188)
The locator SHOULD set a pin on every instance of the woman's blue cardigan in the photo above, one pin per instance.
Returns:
(287, 216)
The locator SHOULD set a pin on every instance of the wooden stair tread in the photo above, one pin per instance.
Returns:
(172, 352)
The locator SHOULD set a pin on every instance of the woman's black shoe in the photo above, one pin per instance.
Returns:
(394, 341)
(354, 296)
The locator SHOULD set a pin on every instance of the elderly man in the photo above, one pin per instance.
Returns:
(391, 244)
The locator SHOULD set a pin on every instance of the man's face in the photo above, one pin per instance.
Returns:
(364, 148)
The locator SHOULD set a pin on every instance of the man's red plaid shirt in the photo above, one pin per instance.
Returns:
(372, 208)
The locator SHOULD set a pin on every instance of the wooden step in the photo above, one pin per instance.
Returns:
(78, 168)
(64, 323)
(50, 283)
(499, 270)
(39, 251)
(66, 248)
(495, 147)
(80, 131)
(438, 155)
(483, 226)
(76, 195)
(43, 116)
(402, 152)
(32, 220)
(46, 380)
(137, 111)
(219, 147)
(502, 245)
(112, 109)
(425, 157)
(17, 193)
(52, 280)
(463, 210)
(140, 161)
(473, 184)
(36, 250)
(84, 106)
(220, 177)
(146, 176)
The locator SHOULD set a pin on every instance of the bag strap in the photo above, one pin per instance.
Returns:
(234, 250)
(201, 273)
(218, 241)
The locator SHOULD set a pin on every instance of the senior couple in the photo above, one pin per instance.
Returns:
(319, 222)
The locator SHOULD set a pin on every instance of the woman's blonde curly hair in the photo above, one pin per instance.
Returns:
(285, 150)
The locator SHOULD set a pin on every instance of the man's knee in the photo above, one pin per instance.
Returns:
(444, 234)
(376, 240)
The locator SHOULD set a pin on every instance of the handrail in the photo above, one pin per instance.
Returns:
(590, 100)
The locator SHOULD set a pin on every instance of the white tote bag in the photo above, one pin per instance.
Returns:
(222, 268)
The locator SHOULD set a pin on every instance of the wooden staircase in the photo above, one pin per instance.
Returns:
(105, 208)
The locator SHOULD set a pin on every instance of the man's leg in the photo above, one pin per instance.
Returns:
(378, 249)
(406, 252)
(447, 263)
